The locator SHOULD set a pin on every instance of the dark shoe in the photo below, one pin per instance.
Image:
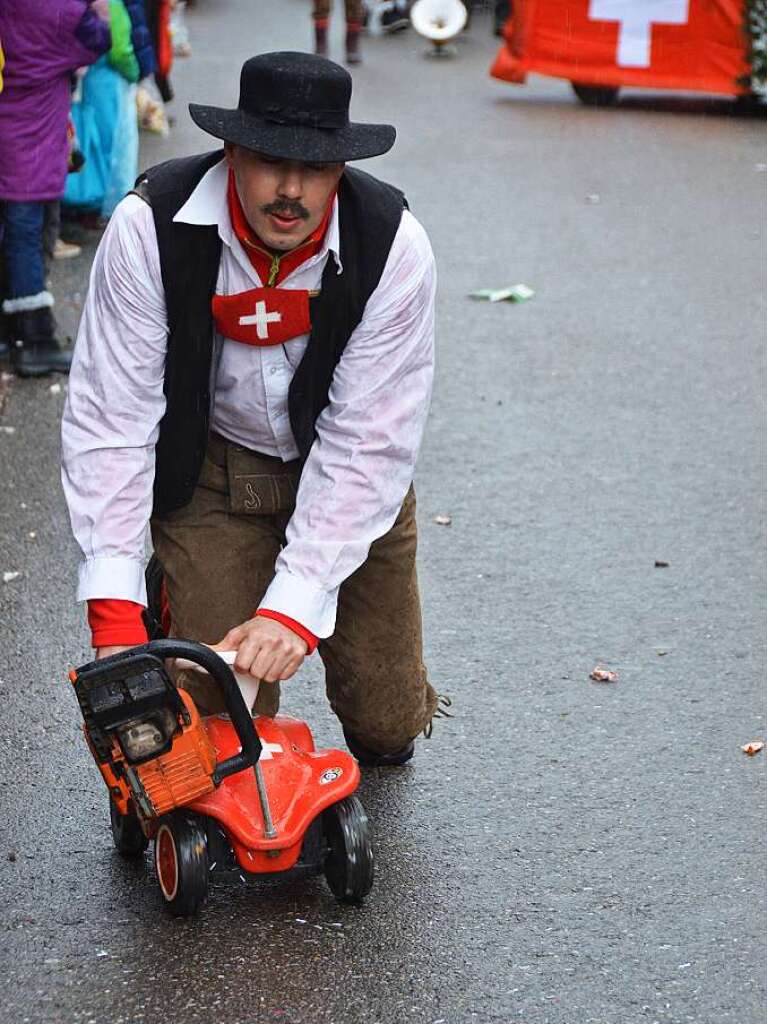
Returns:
(370, 759)
(394, 19)
(353, 45)
(320, 40)
(36, 352)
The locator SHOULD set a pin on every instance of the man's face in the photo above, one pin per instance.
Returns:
(283, 200)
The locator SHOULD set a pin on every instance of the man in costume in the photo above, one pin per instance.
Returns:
(252, 375)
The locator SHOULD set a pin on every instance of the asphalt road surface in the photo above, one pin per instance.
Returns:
(561, 852)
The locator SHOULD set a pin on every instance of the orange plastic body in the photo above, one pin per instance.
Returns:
(704, 51)
(300, 783)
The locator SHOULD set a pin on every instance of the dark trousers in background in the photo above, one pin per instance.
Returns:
(23, 254)
(28, 233)
(218, 559)
(354, 11)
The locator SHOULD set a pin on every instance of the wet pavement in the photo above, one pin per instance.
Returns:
(561, 852)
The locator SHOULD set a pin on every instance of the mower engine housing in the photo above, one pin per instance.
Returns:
(146, 736)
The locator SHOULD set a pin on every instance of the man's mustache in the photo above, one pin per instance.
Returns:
(287, 208)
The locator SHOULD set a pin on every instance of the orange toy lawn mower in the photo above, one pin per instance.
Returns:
(218, 794)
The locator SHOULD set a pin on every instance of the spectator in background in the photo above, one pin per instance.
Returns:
(106, 121)
(158, 20)
(141, 39)
(354, 18)
(44, 42)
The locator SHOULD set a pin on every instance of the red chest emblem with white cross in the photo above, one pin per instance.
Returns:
(262, 316)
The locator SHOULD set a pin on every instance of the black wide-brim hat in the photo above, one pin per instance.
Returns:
(295, 106)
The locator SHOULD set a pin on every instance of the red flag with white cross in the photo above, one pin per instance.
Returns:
(667, 44)
(263, 316)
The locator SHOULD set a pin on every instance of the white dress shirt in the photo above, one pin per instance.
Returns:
(360, 465)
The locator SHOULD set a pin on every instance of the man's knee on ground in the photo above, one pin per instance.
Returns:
(386, 730)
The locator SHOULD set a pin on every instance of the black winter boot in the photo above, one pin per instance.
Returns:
(36, 351)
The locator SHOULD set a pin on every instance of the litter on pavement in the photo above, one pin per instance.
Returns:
(515, 293)
(603, 675)
(752, 748)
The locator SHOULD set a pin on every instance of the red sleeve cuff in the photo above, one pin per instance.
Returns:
(114, 622)
(309, 638)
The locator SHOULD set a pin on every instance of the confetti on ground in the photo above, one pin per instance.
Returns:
(593, 199)
(603, 675)
(660, 564)
(515, 293)
(8, 430)
(761, 168)
(752, 748)
(443, 520)
(55, 389)
(32, 534)
(9, 577)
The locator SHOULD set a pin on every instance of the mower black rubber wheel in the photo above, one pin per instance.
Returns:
(128, 836)
(349, 861)
(596, 95)
(181, 861)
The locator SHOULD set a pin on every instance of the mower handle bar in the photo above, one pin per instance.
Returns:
(230, 691)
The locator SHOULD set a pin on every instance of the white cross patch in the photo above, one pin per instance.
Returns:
(268, 750)
(636, 18)
(261, 319)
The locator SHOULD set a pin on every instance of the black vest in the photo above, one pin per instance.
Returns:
(369, 216)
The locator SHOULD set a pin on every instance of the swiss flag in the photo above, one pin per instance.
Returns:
(666, 44)
(262, 316)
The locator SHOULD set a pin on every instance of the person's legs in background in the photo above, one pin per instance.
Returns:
(355, 16)
(321, 17)
(35, 349)
(54, 247)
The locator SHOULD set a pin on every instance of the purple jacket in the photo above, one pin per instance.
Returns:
(44, 42)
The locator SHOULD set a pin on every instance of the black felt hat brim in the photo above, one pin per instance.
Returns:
(294, 142)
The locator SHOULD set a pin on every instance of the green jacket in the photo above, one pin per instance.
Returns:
(121, 57)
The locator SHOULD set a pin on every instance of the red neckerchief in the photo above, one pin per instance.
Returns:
(265, 262)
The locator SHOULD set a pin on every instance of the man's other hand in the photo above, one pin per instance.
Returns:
(104, 652)
(266, 649)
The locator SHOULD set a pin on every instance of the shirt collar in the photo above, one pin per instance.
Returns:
(207, 205)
